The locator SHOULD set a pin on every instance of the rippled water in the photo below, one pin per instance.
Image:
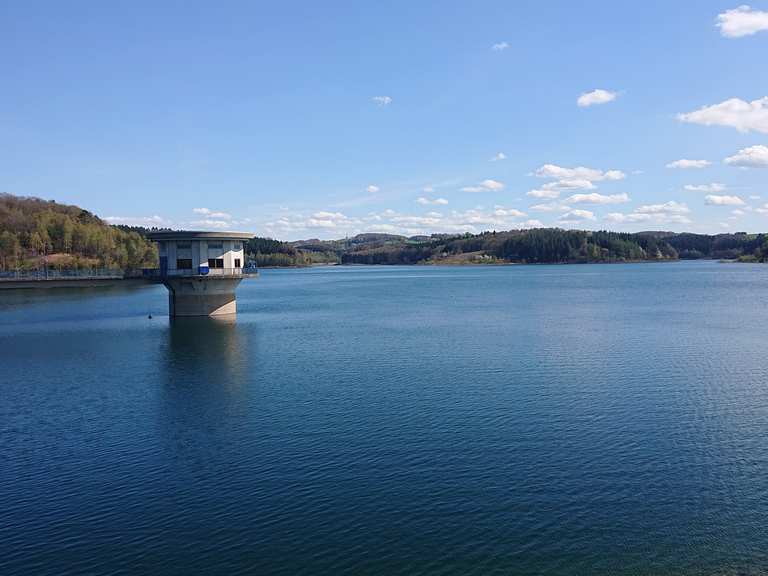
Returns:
(607, 419)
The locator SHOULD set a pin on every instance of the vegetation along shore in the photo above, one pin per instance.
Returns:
(35, 233)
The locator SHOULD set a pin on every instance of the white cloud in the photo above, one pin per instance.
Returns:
(550, 207)
(595, 97)
(734, 113)
(475, 220)
(752, 157)
(492, 184)
(667, 213)
(754, 197)
(382, 100)
(372, 189)
(684, 164)
(485, 186)
(417, 220)
(148, 221)
(742, 21)
(540, 193)
(512, 212)
(569, 184)
(211, 213)
(500, 46)
(426, 201)
(428, 189)
(713, 187)
(499, 218)
(715, 200)
(676, 219)
(595, 198)
(576, 216)
(579, 178)
(316, 223)
(322, 220)
(579, 173)
(738, 212)
(329, 224)
(384, 229)
(619, 218)
(211, 223)
(670, 207)
(762, 209)
(499, 156)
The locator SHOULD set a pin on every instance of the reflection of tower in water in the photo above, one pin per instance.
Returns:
(207, 352)
(203, 398)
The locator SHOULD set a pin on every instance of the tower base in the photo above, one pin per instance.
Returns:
(201, 296)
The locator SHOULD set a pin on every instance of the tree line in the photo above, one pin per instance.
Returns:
(541, 245)
(36, 233)
(266, 252)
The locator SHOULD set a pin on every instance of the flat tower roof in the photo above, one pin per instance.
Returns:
(197, 235)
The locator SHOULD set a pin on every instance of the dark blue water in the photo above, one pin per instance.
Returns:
(607, 419)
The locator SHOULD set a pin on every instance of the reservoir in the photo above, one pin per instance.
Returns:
(567, 420)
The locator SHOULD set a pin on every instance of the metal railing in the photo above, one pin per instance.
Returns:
(53, 274)
(116, 273)
(199, 272)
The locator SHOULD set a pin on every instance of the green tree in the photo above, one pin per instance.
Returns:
(10, 250)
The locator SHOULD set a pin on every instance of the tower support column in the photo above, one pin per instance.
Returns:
(201, 295)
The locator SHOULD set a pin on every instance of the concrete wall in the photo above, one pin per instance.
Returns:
(208, 296)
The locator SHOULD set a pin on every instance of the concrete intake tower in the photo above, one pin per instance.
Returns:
(201, 270)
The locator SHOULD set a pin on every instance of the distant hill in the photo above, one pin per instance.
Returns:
(540, 245)
(34, 232)
(265, 252)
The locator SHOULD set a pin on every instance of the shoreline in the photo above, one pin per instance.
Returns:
(69, 283)
(102, 282)
(501, 263)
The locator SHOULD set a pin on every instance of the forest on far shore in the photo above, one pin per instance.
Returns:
(535, 246)
(36, 233)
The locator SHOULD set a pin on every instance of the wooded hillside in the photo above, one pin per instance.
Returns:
(35, 232)
(541, 245)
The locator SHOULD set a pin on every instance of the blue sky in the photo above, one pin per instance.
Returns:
(324, 119)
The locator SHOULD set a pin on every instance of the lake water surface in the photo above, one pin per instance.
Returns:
(595, 419)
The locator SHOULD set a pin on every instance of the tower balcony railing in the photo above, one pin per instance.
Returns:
(200, 272)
